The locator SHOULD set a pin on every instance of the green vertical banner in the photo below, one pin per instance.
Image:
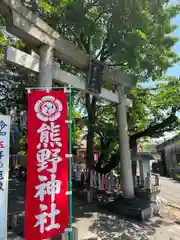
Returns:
(70, 161)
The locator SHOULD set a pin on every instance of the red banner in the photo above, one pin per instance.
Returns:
(47, 202)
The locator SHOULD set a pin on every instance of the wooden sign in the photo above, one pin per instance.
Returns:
(94, 77)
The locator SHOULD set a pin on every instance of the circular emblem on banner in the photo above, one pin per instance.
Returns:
(48, 108)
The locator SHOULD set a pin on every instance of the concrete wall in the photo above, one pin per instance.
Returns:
(170, 155)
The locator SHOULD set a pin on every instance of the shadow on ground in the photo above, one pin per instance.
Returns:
(92, 222)
(104, 225)
(16, 205)
(175, 181)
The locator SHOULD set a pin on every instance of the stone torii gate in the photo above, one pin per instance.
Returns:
(26, 25)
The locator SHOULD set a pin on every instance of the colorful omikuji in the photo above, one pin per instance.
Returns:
(47, 206)
(4, 170)
(101, 182)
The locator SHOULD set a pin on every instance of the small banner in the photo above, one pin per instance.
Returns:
(47, 201)
(4, 172)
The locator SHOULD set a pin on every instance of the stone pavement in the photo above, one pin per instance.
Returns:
(13, 236)
(94, 223)
(170, 190)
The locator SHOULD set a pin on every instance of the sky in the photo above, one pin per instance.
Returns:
(173, 71)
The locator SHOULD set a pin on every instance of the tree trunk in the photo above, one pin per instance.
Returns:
(91, 110)
(149, 132)
(104, 156)
(113, 162)
(90, 147)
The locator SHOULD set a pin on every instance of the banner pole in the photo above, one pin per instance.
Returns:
(70, 161)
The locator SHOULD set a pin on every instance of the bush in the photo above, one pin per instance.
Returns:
(177, 177)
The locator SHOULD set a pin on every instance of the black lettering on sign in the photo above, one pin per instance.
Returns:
(1, 186)
(94, 78)
(1, 154)
(2, 126)
(1, 175)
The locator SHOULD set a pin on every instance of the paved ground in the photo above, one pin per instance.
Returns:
(95, 224)
(170, 190)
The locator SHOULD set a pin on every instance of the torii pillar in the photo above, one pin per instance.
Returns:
(124, 149)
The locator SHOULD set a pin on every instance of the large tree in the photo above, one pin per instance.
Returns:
(154, 112)
(132, 36)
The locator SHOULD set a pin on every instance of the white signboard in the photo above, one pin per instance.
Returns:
(4, 172)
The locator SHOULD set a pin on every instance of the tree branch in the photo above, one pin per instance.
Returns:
(85, 44)
(101, 138)
(90, 5)
(102, 48)
(77, 39)
(151, 130)
(98, 133)
(97, 18)
(88, 45)
(107, 44)
(87, 103)
(114, 161)
(117, 65)
(93, 105)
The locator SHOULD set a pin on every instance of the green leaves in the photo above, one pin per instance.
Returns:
(77, 131)
(130, 35)
(54, 7)
(47, 7)
(152, 114)
(3, 42)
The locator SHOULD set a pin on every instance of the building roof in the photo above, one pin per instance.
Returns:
(173, 140)
(141, 156)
